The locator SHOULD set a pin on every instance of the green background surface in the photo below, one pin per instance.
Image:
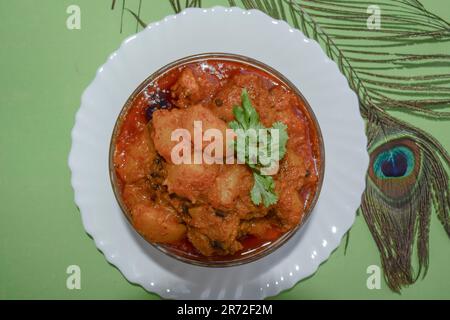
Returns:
(44, 68)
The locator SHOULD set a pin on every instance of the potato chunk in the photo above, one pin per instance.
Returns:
(193, 86)
(134, 162)
(158, 223)
(164, 123)
(291, 178)
(205, 116)
(199, 115)
(232, 182)
(191, 181)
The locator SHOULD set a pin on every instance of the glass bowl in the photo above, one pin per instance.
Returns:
(265, 248)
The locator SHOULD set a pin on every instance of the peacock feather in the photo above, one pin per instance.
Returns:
(403, 185)
(378, 46)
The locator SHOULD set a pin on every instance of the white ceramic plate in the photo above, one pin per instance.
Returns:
(256, 35)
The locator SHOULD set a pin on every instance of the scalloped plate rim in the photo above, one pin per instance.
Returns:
(107, 251)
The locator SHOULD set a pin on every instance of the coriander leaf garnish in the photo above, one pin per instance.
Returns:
(252, 133)
(263, 189)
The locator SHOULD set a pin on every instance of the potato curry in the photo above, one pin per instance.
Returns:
(206, 209)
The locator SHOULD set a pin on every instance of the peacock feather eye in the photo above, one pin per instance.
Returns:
(394, 169)
(395, 162)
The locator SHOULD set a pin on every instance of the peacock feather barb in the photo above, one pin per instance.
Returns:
(392, 53)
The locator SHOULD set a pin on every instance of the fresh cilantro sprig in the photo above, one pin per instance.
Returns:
(247, 118)
(263, 189)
